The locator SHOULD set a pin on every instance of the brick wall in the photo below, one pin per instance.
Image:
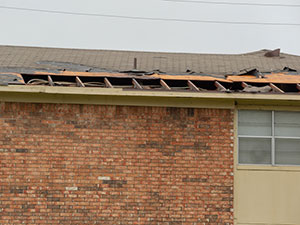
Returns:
(86, 164)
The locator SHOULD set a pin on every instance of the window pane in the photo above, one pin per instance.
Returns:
(287, 151)
(254, 122)
(255, 150)
(287, 124)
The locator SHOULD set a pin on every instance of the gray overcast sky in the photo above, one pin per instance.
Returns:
(71, 31)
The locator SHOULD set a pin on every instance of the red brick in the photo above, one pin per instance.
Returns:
(164, 165)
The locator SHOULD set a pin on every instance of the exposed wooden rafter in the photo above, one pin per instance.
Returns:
(107, 83)
(79, 82)
(192, 86)
(164, 84)
(220, 87)
(275, 88)
(51, 83)
(244, 84)
(136, 84)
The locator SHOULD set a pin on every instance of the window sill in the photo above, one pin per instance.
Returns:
(268, 167)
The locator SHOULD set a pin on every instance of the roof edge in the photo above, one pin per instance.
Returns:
(48, 90)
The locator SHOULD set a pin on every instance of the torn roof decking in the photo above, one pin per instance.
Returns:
(268, 83)
(126, 75)
(285, 78)
(279, 78)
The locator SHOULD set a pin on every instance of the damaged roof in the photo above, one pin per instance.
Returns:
(25, 59)
(265, 71)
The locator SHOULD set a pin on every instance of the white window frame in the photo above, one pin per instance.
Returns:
(272, 137)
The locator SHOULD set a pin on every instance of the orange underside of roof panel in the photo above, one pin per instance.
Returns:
(268, 78)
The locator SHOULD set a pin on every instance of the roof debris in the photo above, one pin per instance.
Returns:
(253, 89)
(288, 69)
(273, 53)
(252, 71)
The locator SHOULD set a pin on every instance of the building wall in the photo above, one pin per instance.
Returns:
(266, 194)
(88, 164)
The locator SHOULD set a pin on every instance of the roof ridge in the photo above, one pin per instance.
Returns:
(141, 51)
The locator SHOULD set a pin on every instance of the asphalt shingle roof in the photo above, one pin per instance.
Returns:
(14, 57)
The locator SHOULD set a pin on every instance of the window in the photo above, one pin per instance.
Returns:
(269, 137)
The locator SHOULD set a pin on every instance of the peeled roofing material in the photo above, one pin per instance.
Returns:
(263, 71)
(18, 59)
